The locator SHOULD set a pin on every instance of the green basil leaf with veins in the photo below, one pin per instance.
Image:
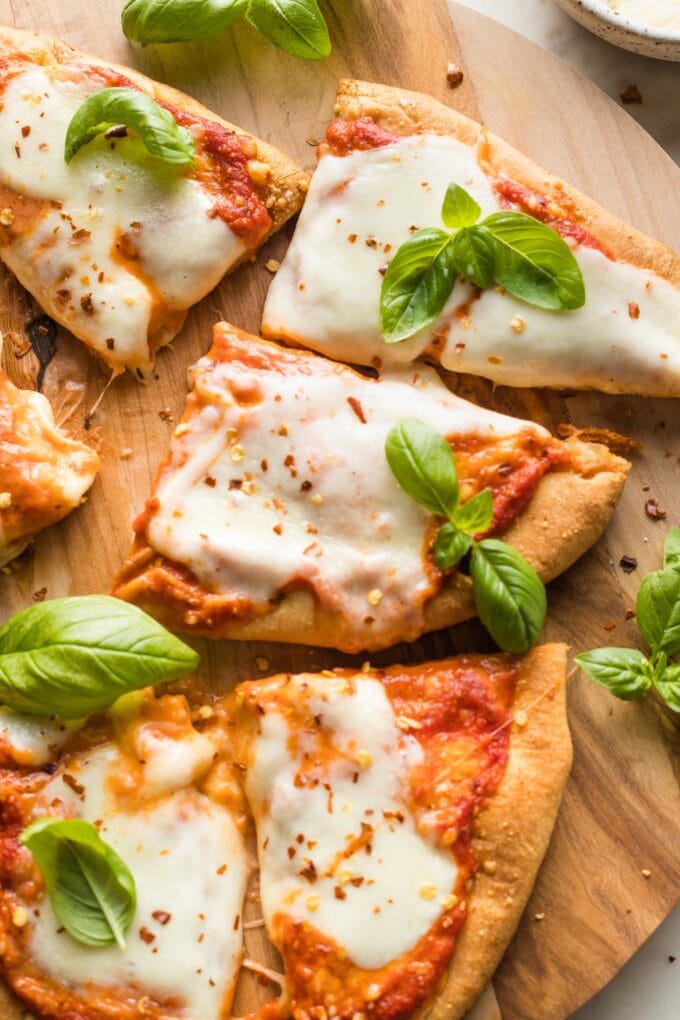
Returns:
(296, 26)
(475, 516)
(474, 253)
(509, 595)
(417, 284)
(450, 546)
(623, 671)
(668, 686)
(423, 463)
(156, 126)
(459, 208)
(658, 610)
(90, 887)
(75, 656)
(534, 262)
(671, 550)
(164, 21)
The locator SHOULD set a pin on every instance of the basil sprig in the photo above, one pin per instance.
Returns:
(509, 595)
(629, 673)
(117, 107)
(296, 26)
(90, 887)
(75, 656)
(525, 257)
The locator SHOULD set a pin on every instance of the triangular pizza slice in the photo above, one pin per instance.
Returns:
(275, 515)
(402, 815)
(117, 245)
(44, 473)
(153, 779)
(383, 171)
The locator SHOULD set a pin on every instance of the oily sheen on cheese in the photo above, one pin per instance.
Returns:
(363, 789)
(277, 476)
(363, 205)
(149, 791)
(108, 197)
(44, 474)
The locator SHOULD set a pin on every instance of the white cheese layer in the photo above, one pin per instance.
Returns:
(327, 293)
(405, 877)
(176, 847)
(29, 740)
(104, 193)
(317, 501)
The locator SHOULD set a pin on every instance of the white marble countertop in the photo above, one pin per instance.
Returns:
(648, 987)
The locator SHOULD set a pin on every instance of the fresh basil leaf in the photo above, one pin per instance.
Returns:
(90, 887)
(668, 687)
(164, 21)
(509, 595)
(474, 253)
(658, 611)
(417, 284)
(450, 546)
(459, 208)
(296, 26)
(671, 550)
(475, 516)
(534, 263)
(621, 670)
(423, 463)
(157, 128)
(71, 657)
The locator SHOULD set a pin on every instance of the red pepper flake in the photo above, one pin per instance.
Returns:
(165, 414)
(39, 595)
(356, 882)
(291, 852)
(633, 309)
(237, 921)
(357, 408)
(652, 509)
(631, 95)
(339, 893)
(309, 872)
(454, 75)
(210, 481)
(278, 529)
(306, 485)
(146, 935)
(73, 783)
(222, 868)
(86, 303)
(628, 564)
(382, 269)
(630, 614)
(110, 343)
(351, 238)
(235, 483)
(264, 464)
(162, 916)
(79, 237)
(610, 625)
(26, 130)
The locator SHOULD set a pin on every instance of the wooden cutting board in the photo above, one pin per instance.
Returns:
(621, 812)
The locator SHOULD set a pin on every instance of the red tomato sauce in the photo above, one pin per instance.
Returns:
(345, 136)
(511, 195)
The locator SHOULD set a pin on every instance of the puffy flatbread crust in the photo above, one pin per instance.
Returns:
(513, 831)
(405, 112)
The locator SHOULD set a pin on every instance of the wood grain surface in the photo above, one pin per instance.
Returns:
(622, 808)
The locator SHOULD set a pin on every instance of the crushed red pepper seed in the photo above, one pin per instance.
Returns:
(652, 509)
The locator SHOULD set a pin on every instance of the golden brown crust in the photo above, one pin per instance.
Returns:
(406, 112)
(512, 833)
(288, 183)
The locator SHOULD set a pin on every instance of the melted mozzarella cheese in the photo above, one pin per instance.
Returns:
(29, 740)
(35, 454)
(327, 293)
(406, 879)
(317, 501)
(176, 847)
(71, 257)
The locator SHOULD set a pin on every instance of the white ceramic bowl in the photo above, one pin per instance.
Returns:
(650, 27)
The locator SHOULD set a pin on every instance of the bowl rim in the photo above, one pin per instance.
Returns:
(602, 10)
